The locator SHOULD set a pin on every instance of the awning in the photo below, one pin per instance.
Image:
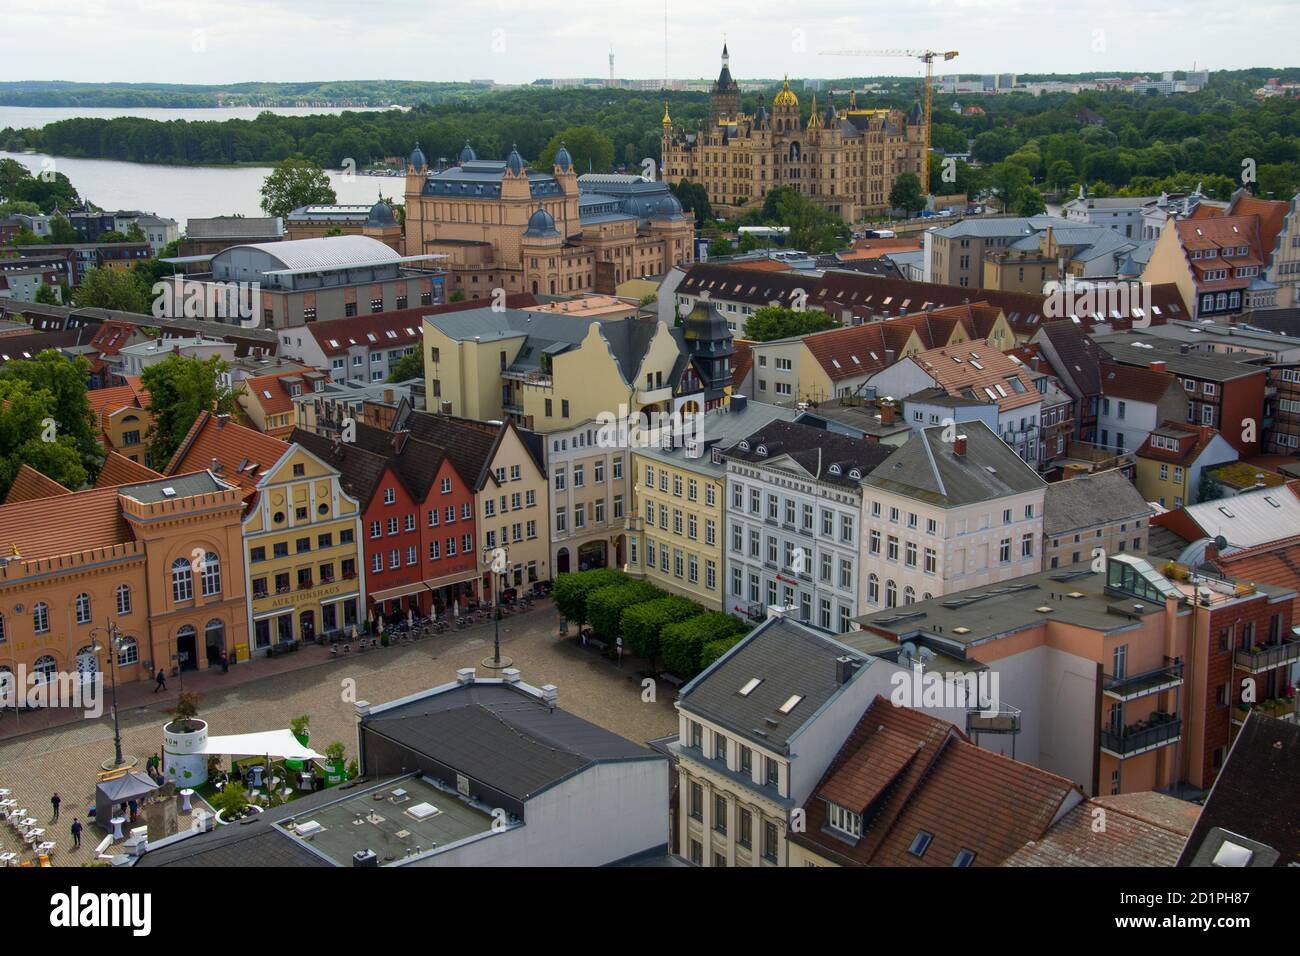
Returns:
(269, 743)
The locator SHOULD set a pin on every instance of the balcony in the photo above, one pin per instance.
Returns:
(1003, 719)
(653, 396)
(1267, 656)
(1139, 738)
(1140, 685)
(1280, 707)
(529, 376)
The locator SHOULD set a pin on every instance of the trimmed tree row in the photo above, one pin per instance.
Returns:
(663, 628)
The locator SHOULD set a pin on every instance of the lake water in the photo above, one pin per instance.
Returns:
(185, 192)
(33, 117)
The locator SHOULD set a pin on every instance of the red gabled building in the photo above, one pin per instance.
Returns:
(418, 519)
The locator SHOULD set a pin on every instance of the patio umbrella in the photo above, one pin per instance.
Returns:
(410, 616)
(455, 607)
(354, 632)
(379, 627)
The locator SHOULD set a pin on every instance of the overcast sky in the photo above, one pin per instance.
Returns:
(511, 41)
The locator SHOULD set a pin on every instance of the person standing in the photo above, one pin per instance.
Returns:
(162, 681)
(76, 834)
(54, 802)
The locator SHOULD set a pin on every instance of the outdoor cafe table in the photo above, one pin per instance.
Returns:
(117, 827)
(185, 799)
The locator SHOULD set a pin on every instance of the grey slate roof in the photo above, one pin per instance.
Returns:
(1103, 497)
(503, 737)
(1211, 366)
(789, 659)
(233, 227)
(928, 469)
(816, 450)
(184, 486)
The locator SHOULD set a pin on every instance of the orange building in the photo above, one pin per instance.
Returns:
(162, 560)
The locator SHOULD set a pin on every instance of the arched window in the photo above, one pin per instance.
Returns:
(41, 618)
(128, 651)
(891, 594)
(909, 595)
(83, 608)
(87, 664)
(182, 580)
(2, 629)
(45, 667)
(211, 577)
(123, 599)
(873, 589)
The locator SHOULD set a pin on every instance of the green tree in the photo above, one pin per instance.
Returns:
(779, 322)
(592, 150)
(135, 234)
(1008, 181)
(1030, 202)
(293, 183)
(642, 624)
(1060, 174)
(28, 420)
(179, 389)
(571, 590)
(62, 231)
(408, 367)
(47, 295)
(720, 248)
(906, 194)
(111, 289)
(64, 380)
(683, 643)
(1210, 488)
(605, 606)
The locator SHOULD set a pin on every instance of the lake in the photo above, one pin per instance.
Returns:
(33, 117)
(191, 192)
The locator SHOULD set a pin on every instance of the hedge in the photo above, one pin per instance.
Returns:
(605, 606)
(642, 623)
(571, 591)
(691, 645)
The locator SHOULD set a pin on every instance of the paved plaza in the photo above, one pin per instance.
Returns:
(64, 757)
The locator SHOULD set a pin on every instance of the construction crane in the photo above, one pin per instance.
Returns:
(927, 57)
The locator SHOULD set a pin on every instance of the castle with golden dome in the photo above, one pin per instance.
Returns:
(845, 160)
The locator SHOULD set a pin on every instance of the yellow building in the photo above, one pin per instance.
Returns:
(501, 225)
(842, 160)
(1171, 460)
(300, 540)
(547, 371)
(675, 524)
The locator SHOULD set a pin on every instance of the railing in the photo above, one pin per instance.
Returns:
(1279, 707)
(1138, 739)
(1001, 719)
(1268, 657)
(1149, 682)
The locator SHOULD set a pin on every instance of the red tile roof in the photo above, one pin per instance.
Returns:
(1141, 829)
(858, 349)
(233, 446)
(105, 401)
(1135, 384)
(1192, 440)
(30, 485)
(336, 336)
(908, 772)
(271, 393)
(982, 369)
(742, 360)
(82, 520)
(120, 470)
(1271, 213)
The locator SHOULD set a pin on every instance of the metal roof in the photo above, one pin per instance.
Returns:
(326, 252)
(1250, 519)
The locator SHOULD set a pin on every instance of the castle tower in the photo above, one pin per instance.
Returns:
(785, 111)
(724, 100)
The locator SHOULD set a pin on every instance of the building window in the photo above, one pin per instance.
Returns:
(83, 608)
(210, 578)
(182, 580)
(920, 843)
(845, 820)
(770, 838)
(41, 618)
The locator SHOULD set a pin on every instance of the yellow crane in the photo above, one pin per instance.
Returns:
(927, 57)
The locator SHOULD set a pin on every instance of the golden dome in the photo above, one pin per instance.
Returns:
(786, 97)
(667, 120)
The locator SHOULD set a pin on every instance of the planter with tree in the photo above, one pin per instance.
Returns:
(184, 739)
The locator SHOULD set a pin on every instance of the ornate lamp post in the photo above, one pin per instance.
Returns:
(498, 561)
(114, 646)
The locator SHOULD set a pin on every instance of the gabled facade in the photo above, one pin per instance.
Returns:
(1172, 459)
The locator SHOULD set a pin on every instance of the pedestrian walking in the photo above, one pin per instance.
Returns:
(162, 681)
(54, 802)
(76, 834)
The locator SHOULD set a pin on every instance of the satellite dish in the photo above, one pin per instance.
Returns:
(1220, 542)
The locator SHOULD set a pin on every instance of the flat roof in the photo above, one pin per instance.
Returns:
(396, 820)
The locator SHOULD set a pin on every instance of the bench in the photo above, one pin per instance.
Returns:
(597, 643)
(673, 679)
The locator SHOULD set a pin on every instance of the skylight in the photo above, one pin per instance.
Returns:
(750, 685)
(791, 704)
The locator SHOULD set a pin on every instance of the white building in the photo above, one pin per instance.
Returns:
(945, 515)
(792, 529)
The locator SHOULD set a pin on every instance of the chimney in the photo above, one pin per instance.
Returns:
(1259, 479)
(845, 668)
(216, 466)
(738, 403)
(887, 412)
(891, 356)
(1035, 362)
(465, 675)
(444, 408)
(221, 420)
(388, 396)
(959, 446)
(1157, 365)
(1211, 553)
(1184, 349)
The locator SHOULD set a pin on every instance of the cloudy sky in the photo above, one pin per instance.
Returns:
(223, 41)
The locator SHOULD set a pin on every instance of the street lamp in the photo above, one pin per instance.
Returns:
(498, 560)
(115, 645)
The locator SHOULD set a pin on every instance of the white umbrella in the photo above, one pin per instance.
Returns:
(379, 628)
(410, 616)
(455, 607)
